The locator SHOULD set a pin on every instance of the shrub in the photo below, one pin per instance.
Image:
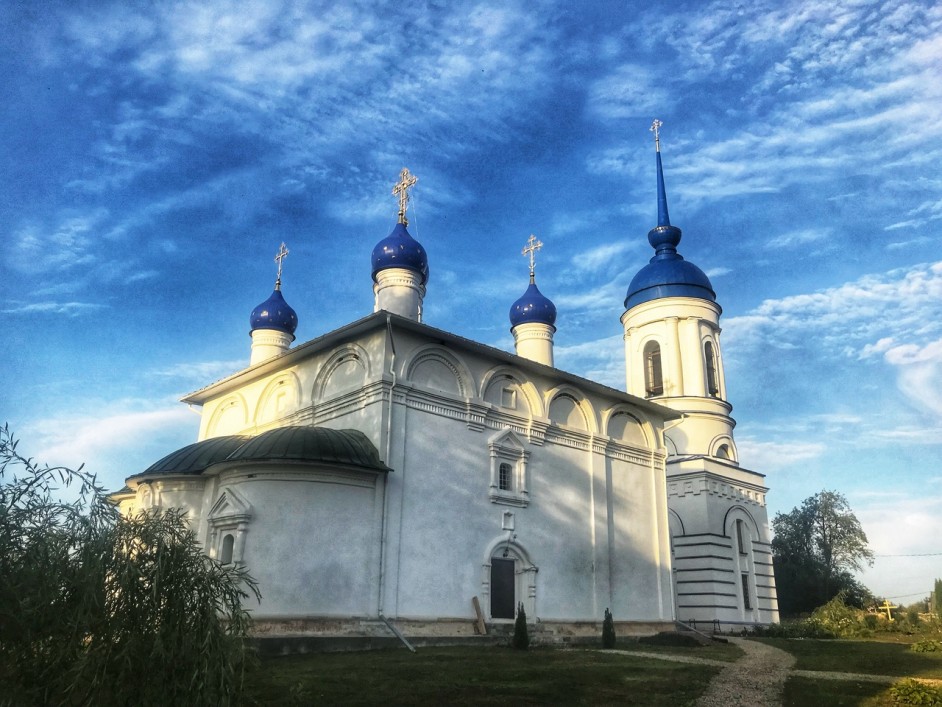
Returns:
(105, 610)
(836, 618)
(521, 638)
(913, 692)
(926, 646)
(871, 621)
(608, 630)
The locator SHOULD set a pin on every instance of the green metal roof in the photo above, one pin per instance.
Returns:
(313, 444)
(298, 443)
(193, 458)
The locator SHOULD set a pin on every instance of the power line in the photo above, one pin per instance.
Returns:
(920, 554)
(904, 596)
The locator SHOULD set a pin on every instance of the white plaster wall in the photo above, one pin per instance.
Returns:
(311, 541)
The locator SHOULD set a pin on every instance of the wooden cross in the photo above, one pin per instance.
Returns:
(656, 129)
(888, 608)
(530, 249)
(282, 254)
(406, 182)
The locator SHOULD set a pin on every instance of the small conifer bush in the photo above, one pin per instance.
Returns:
(521, 638)
(608, 630)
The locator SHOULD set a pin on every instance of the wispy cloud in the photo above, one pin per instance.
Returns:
(836, 83)
(115, 442)
(72, 309)
(768, 456)
(199, 372)
(630, 90)
(798, 238)
(449, 75)
(68, 245)
(901, 305)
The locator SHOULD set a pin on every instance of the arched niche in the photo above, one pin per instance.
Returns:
(723, 447)
(504, 388)
(347, 369)
(281, 397)
(625, 427)
(439, 370)
(568, 408)
(670, 446)
(229, 417)
(740, 513)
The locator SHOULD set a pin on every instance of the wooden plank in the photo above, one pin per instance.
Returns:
(480, 627)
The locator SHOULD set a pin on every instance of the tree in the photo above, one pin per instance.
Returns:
(521, 639)
(816, 547)
(100, 609)
(608, 630)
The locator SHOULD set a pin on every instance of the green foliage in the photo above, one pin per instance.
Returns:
(836, 618)
(914, 692)
(926, 646)
(937, 598)
(608, 630)
(521, 640)
(815, 549)
(100, 609)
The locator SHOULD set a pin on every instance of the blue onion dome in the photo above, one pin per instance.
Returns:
(667, 274)
(533, 307)
(274, 313)
(400, 250)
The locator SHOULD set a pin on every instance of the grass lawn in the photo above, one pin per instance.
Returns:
(802, 692)
(878, 658)
(727, 652)
(478, 676)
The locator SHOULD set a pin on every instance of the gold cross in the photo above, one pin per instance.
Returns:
(532, 246)
(656, 129)
(406, 182)
(282, 254)
(887, 607)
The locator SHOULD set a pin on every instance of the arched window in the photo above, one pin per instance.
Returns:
(713, 387)
(723, 452)
(225, 557)
(653, 380)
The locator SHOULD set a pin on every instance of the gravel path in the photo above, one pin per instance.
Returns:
(756, 679)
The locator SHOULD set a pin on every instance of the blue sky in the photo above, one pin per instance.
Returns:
(154, 158)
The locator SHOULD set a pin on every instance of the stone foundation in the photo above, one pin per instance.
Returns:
(277, 636)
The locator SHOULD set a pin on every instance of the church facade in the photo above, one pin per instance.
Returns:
(390, 468)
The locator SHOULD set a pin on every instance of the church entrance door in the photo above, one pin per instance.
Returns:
(503, 599)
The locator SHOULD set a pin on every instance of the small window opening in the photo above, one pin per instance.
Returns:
(713, 387)
(723, 452)
(505, 477)
(739, 538)
(508, 398)
(226, 556)
(653, 379)
(746, 601)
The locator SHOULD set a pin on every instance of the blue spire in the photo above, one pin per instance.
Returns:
(663, 218)
(667, 274)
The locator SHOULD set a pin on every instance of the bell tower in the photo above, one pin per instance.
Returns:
(672, 340)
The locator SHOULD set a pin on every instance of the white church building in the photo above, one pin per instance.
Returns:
(390, 468)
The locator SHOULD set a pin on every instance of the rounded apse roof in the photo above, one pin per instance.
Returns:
(400, 250)
(293, 443)
(533, 307)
